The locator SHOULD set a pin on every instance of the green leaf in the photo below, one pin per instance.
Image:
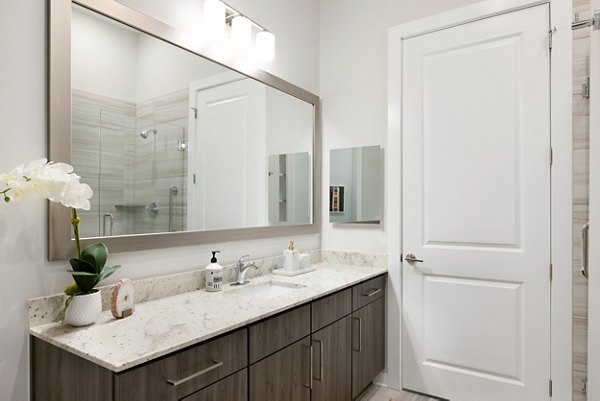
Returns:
(98, 252)
(85, 281)
(107, 271)
(82, 266)
(91, 260)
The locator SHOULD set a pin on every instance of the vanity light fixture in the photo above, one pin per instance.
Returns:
(214, 13)
(241, 32)
(265, 46)
(218, 14)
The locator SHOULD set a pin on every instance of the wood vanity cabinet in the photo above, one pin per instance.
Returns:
(327, 350)
(368, 333)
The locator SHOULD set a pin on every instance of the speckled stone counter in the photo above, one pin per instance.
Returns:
(162, 326)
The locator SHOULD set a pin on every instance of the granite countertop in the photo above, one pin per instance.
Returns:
(165, 325)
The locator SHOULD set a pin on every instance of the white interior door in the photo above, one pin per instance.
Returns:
(476, 209)
(230, 190)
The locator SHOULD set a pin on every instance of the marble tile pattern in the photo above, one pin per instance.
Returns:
(165, 325)
(47, 309)
(581, 111)
(354, 258)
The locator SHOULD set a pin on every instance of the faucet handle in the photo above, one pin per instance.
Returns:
(241, 261)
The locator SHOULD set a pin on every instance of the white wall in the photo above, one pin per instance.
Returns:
(353, 76)
(23, 102)
(294, 23)
(103, 57)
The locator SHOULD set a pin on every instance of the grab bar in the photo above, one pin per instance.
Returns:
(584, 249)
(172, 192)
(110, 218)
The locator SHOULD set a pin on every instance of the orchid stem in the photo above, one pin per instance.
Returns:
(75, 222)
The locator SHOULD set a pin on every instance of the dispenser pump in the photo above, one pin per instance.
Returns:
(214, 257)
(291, 247)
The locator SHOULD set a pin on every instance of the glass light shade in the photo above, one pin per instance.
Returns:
(214, 17)
(265, 46)
(241, 32)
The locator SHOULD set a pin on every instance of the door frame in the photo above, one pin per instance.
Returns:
(561, 179)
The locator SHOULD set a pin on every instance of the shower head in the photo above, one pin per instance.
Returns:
(145, 134)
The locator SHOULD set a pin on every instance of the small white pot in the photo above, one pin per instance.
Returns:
(83, 309)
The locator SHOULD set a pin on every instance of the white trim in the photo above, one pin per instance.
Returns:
(561, 196)
(593, 388)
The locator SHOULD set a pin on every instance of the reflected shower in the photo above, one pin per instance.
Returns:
(146, 133)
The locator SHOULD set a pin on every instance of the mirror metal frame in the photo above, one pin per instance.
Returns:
(60, 244)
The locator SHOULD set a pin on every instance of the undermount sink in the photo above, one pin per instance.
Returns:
(267, 290)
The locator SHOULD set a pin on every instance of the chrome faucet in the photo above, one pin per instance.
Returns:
(242, 268)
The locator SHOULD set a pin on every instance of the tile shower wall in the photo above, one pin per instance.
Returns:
(159, 165)
(581, 57)
(107, 143)
(102, 123)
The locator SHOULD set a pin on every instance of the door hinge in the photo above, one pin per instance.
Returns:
(551, 156)
(551, 271)
(550, 35)
(195, 112)
(550, 387)
(585, 88)
(194, 178)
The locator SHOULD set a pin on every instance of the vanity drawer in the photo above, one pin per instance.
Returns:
(278, 332)
(369, 291)
(331, 308)
(185, 372)
(232, 388)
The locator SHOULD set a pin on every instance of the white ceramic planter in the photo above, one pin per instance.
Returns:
(83, 309)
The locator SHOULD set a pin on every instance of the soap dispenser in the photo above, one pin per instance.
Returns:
(214, 274)
(290, 258)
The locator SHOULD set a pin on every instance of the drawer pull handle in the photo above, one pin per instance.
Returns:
(310, 363)
(176, 383)
(374, 291)
(359, 320)
(320, 379)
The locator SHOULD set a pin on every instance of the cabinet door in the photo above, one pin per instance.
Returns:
(283, 376)
(368, 345)
(332, 354)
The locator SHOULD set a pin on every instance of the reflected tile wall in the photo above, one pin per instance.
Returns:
(127, 172)
(161, 165)
(100, 130)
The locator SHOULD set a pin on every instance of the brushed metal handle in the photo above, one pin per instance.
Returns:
(320, 379)
(176, 383)
(374, 291)
(410, 258)
(584, 249)
(359, 320)
(310, 363)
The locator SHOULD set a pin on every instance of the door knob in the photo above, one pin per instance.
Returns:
(410, 258)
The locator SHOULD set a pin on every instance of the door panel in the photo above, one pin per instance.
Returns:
(230, 189)
(476, 209)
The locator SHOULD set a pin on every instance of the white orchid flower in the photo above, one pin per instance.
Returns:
(53, 181)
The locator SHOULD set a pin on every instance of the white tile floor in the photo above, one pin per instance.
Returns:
(379, 393)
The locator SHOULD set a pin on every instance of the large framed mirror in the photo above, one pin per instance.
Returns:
(180, 145)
